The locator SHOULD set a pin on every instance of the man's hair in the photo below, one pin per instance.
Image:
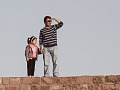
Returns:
(46, 17)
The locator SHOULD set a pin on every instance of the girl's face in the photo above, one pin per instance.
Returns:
(34, 41)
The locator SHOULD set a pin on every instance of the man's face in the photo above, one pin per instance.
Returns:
(48, 22)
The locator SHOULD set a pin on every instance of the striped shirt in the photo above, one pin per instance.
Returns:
(48, 35)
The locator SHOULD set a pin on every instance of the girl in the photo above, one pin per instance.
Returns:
(31, 54)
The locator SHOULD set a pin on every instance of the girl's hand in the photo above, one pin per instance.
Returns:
(37, 59)
(27, 59)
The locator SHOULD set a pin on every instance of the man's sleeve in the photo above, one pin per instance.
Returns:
(40, 38)
(57, 26)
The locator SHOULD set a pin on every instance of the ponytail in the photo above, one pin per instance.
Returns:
(29, 40)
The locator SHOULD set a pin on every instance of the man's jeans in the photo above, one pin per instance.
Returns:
(53, 52)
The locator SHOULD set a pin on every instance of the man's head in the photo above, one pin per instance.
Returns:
(47, 21)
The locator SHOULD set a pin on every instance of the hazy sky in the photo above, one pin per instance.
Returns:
(88, 42)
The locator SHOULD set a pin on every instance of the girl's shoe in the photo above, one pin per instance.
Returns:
(30, 76)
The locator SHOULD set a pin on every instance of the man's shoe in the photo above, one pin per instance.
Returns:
(54, 76)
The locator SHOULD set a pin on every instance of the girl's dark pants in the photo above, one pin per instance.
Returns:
(31, 66)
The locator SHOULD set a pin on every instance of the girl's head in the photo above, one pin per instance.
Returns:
(32, 40)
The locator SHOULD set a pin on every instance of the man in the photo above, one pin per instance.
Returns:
(48, 38)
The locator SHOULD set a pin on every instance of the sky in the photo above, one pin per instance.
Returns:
(88, 42)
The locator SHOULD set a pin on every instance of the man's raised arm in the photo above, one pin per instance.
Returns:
(60, 23)
(56, 20)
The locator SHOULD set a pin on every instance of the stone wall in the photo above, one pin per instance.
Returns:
(111, 82)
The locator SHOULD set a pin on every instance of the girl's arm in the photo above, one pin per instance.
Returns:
(27, 59)
(27, 53)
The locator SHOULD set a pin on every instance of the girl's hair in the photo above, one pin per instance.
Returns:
(28, 40)
(31, 39)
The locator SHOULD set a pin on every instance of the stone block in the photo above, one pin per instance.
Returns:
(68, 87)
(91, 87)
(5, 81)
(45, 88)
(30, 80)
(24, 87)
(2, 87)
(111, 79)
(88, 86)
(55, 87)
(84, 86)
(117, 86)
(109, 87)
(49, 80)
(67, 80)
(98, 79)
(118, 78)
(14, 81)
(11, 88)
(85, 79)
(0, 80)
(35, 87)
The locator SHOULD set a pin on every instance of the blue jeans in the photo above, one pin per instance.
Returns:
(53, 52)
